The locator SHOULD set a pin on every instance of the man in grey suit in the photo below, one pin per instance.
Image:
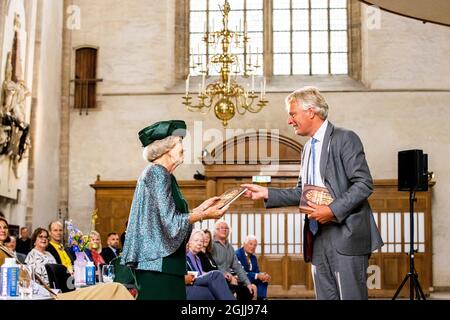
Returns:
(343, 234)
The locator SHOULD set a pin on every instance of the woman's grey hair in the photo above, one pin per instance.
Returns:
(309, 97)
(194, 232)
(159, 147)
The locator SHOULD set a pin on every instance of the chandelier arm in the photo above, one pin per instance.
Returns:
(240, 105)
(255, 110)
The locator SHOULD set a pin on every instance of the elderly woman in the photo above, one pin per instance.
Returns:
(38, 257)
(160, 220)
(203, 285)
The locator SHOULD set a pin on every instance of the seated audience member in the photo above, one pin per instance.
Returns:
(39, 256)
(95, 247)
(112, 250)
(247, 258)
(11, 243)
(24, 242)
(213, 281)
(228, 263)
(205, 255)
(4, 251)
(56, 246)
(105, 291)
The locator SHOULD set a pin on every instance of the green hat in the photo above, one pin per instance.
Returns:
(161, 130)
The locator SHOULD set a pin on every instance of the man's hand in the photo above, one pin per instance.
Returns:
(255, 192)
(263, 276)
(252, 288)
(321, 214)
(230, 278)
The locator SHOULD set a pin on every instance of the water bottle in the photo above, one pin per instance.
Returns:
(9, 278)
(90, 273)
(79, 268)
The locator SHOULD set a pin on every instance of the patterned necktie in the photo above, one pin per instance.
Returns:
(249, 261)
(313, 224)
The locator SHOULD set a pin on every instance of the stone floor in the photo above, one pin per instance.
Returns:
(441, 295)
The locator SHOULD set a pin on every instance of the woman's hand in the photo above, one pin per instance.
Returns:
(214, 212)
(189, 279)
(205, 204)
(207, 210)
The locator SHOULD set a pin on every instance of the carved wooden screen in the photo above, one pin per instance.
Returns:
(85, 78)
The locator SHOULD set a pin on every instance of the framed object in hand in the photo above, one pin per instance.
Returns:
(314, 194)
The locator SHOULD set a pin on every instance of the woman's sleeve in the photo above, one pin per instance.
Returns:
(172, 224)
(156, 228)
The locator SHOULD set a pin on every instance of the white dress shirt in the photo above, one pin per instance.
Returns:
(306, 170)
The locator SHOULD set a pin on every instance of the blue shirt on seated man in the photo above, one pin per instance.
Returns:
(246, 256)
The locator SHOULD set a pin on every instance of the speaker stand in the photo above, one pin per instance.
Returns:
(414, 285)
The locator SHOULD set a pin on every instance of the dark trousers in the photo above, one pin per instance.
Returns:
(216, 284)
(261, 288)
(198, 293)
(242, 292)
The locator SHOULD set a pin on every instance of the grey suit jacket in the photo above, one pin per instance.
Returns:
(345, 173)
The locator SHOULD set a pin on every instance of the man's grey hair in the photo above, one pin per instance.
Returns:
(218, 223)
(250, 237)
(159, 147)
(309, 97)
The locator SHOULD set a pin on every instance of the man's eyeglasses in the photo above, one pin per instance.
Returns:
(222, 228)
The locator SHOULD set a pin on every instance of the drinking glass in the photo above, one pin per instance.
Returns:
(25, 281)
(108, 273)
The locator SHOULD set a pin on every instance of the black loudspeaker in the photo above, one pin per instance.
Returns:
(412, 170)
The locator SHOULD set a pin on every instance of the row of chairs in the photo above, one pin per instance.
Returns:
(58, 277)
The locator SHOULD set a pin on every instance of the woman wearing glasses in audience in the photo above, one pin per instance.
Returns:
(39, 256)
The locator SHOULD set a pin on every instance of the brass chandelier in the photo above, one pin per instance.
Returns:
(226, 95)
